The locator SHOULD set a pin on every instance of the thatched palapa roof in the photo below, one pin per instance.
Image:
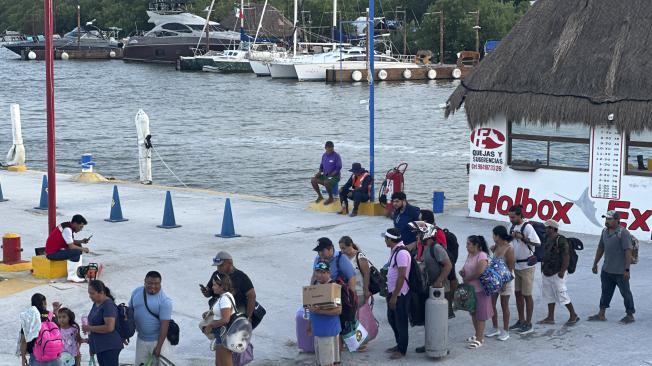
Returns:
(567, 61)
(274, 23)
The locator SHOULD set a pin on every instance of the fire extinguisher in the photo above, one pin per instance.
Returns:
(394, 182)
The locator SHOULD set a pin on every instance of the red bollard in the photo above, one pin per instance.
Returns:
(11, 250)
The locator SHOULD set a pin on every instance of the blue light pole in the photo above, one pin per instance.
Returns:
(370, 77)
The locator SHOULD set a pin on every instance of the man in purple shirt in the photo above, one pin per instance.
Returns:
(329, 173)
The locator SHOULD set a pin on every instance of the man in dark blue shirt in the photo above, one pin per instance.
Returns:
(404, 213)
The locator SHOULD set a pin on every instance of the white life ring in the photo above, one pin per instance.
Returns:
(65, 56)
(457, 73)
(432, 74)
(382, 74)
(407, 74)
(31, 55)
(112, 54)
(356, 75)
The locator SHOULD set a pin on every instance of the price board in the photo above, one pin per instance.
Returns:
(606, 162)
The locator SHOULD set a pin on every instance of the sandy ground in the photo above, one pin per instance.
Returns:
(275, 251)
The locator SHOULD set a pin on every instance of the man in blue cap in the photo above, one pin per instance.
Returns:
(357, 188)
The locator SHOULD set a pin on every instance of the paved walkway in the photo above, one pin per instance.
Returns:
(275, 251)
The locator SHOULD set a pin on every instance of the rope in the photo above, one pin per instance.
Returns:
(162, 161)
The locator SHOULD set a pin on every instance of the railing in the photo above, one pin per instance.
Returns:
(405, 58)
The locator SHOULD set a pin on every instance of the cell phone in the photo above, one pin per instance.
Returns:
(89, 238)
(202, 287)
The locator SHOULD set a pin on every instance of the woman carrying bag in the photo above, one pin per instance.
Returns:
(476, 262)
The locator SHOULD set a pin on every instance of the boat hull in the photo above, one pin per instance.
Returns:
(282, 71)
(261, 68)
(168, 50)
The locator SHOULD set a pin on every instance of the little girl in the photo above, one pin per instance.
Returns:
(70, 336)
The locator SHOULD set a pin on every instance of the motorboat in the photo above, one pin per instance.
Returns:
(347, 59)
(230, 61)
(177, 33)
(86, 37)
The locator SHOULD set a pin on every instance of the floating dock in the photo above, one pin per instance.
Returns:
(426, 72)
(81, 54)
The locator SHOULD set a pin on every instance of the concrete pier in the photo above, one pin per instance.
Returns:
(275, 250)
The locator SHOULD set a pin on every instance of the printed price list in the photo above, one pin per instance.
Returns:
(606, 162)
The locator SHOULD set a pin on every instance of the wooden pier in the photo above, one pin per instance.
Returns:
(82, 54)
(465, 63)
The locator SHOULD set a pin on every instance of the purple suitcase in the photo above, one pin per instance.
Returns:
(305, 342)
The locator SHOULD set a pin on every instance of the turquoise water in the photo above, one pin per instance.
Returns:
(235, 133)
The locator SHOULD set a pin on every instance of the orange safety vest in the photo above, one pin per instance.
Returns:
(357, 180)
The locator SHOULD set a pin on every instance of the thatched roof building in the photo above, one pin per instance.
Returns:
(274, 23)
(567, 61)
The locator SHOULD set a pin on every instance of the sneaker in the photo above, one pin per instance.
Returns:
(504, 335)
(516, 326)
(421, 349)
(492, 333)
(526, 329)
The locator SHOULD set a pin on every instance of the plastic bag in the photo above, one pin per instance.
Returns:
(464, 298)
(356, 337)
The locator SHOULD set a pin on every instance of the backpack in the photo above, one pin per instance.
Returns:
(540, 229)
(574, 244)
(237, 335)
(416, 295)
(634, 245)
(375, 278)
(48, 344)
(125, 323)
(349, 298)
(452, 246)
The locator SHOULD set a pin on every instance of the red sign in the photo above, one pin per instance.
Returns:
(640, 218)
(487, 138)
(544, 209)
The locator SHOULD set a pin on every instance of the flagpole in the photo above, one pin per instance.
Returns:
(49, 101)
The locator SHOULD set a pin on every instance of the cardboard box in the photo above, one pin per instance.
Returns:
(327, 295)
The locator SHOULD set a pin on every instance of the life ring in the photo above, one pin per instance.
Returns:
(432, 74)
(407, 74)
(31, 55)
(356, 75)
(382, 74)
(112, 54)
(457, 73)
(65, 56)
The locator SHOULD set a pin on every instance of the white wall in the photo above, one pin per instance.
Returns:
(548, 193)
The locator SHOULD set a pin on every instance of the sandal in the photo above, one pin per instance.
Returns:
(475, 344)
(471, 339)
(546, 321)
(597, 318)
(573, 322)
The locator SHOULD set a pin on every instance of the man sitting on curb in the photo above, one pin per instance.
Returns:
(61, 245)
(356, 188)
(329, 173)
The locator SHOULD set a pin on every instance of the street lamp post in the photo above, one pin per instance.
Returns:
(49, 102)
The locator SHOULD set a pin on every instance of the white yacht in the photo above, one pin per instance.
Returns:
(261, 54)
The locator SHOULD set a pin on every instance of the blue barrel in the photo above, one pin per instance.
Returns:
(86, 161)
(438, 202)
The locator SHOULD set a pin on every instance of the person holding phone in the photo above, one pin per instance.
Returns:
(61, 245)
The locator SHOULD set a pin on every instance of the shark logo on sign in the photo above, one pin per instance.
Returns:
(487, 138)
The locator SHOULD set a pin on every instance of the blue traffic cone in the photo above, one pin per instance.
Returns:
(43, 205)
(168, 214)
(228, 231)
(2, 199)
(116, 209)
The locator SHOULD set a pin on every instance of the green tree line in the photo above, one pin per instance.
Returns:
(421, 25)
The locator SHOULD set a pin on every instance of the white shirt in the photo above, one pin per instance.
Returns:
(359, 280)
(521, 250)
(224, 302)
(67, 235)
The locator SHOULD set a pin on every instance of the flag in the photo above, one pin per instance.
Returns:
(239, 13)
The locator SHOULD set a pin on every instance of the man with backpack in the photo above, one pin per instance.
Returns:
(554, 267)
(342, 272)
(525, 241)
(152, 313)
(616, 246)
(398, 272)
(404, 213)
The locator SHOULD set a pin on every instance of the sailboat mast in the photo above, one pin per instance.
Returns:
(78, 27)
(260, 23)
(241, 14)
(334, 22)
(294, 34)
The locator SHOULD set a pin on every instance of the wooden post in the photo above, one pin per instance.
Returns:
(441, 37)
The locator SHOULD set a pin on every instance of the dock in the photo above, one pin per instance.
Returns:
(275, 251)
(81, 54)
(426, 72)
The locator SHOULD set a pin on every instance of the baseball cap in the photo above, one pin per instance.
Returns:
(221, 257)
(552, 223)
(323, 243)
(611, 214)
(322, 266)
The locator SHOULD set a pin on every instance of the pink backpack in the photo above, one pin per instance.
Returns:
(48, 345)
